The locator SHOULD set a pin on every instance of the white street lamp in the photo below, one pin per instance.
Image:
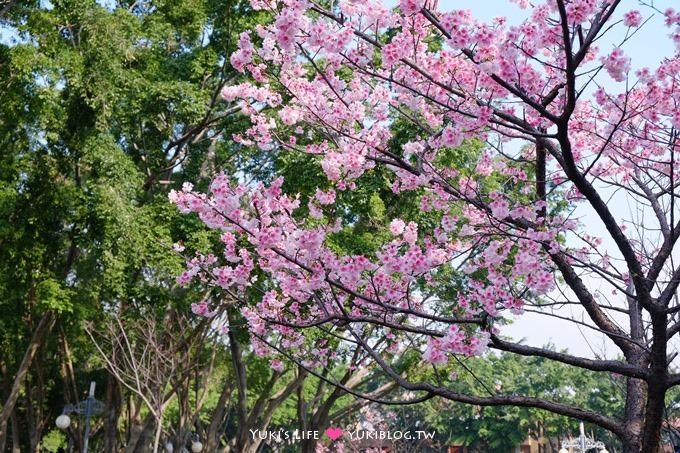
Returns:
(196, 445)
(63, 421)
(582, 443)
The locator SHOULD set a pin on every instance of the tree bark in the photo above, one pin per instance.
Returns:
(212, 435)
(36, 397)
(45, 324)
(657, 385)
(30, 418)
(159, 431)
(14, 423)
(135, 424)
(113, 406)
(654, 412)
(16, 444)
(142, 441)
(636, 390)
(242, 389)
(540, 177)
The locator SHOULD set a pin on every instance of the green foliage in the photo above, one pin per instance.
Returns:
(105, 109)
(54, 441)
(52, 295)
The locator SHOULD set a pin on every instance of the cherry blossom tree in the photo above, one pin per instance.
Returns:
(568, 127)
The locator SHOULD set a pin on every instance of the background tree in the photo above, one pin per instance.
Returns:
(103, 106)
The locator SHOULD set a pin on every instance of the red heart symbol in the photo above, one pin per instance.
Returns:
(333, 433)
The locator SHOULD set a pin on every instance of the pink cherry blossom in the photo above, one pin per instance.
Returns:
(617, 64)
(518, 127)
(397, 227)
(632, 18)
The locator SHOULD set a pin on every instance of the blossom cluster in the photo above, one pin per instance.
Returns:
(490, 82)
(314, 284)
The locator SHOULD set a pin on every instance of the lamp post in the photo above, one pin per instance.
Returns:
(87, 407)
(582, 443)
(194, 444)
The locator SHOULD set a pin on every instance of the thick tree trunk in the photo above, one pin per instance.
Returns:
(157, 437)
(36, 398)
(657, 384)
(45, 324)
(135, 425)
(212, 435)
(242, 389)
(636, 391)
(651, 436)
(113, 406)
(14, 422)
(303, 421)
(16, 444)
(254, 446)
(145, 436)
(30, 419)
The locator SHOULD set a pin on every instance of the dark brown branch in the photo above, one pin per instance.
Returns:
(606, 422)
(613, 366)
